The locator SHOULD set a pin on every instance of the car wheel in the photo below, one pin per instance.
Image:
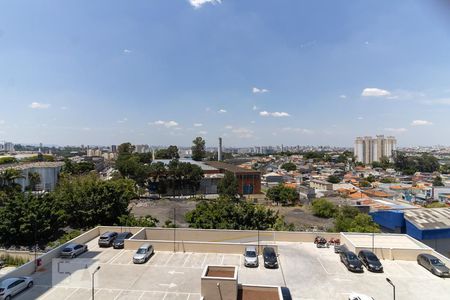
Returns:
(8, 298)
(30, 285)
(72, 256)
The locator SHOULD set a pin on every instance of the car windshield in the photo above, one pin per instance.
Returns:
(351, 256)
(122, 236)
(250, 254)
(67, 250)
(104, 237)
(372, 257)
(142, 251)
(436, 262)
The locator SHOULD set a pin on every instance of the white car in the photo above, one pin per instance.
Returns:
(356, 296)
(12, 286)
(251, 257)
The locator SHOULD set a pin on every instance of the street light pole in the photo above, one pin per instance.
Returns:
(393, 286)
(93, 274)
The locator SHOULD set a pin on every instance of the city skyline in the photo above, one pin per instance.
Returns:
(165, 72)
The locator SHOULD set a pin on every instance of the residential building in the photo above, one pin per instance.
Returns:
(368, 149)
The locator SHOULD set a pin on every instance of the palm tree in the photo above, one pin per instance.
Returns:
(34, 179)
(8, 176)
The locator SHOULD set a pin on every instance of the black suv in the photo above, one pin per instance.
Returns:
(107, 239)
(121, 237)
(370, 260)
(270, 258)
(352, 262)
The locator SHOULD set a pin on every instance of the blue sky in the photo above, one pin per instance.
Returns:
(254, 72)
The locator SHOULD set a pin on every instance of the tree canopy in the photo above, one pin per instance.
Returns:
(227, 214)
(333, 179)
(323, 208)
(282, 194)
(411, 164)
(228, 186)
(349, 219)
(170, 152)
(198, 149)
(289, 166)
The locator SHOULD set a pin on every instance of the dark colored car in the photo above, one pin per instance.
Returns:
(270, 258)
(370, 261)
(120, 239)
(351, 261)
(433, 264)
(286, 293)
(107, 239)
(340, 248)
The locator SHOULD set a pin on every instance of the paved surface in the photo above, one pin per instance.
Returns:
(310, 273)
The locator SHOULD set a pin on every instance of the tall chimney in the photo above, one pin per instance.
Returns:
(219, 151)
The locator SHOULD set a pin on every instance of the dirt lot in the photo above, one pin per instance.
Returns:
(162, 209)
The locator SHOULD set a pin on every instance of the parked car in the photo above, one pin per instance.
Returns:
(251, 257)
(2, 263)
(120, 239)
(12, 286)
(340, 248)
(433, 264)
(270, 258)
(352, 262)
(370, 261)
(355, 296)
(143, 254)
(286, 293)
(107, 239)
(72, 250)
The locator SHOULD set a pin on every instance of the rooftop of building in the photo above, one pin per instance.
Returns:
(308, 272)
(202, 165)
(24, 166)
(429, 218)
(229, 167)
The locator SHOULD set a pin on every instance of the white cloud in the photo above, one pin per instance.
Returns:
(127, 51)
(228, 127)
(255, 107)
(221, 111)
(396, 130)
(37, 105)
(421, 123)
(297, 129)
(243, 133)
(124, 120)
(360, 118)
(275, 114)
(198, 124)
(203, 132)
(167, 124)
(375, 92)
(2, 122)
(343, 96)
(200, 3)
(256, 90)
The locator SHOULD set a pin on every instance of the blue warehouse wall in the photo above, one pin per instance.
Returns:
(390, 219)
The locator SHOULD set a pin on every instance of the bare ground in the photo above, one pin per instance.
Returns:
(163, 209)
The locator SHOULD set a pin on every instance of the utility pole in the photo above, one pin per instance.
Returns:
(93, 289)
(393, 286)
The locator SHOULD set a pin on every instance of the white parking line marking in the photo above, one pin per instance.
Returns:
(169, 259)
(115, 256)
(204, 260)
(320, 262)
(142, 295)
(118, 295)
(223, 257)
(70, 295)
(187, 259)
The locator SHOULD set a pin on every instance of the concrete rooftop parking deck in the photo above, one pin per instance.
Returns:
(309, 273)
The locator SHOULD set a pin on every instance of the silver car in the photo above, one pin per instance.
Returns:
(433, 264)
(251, 257)
(12, 286)
(73, 250)
(143, 254)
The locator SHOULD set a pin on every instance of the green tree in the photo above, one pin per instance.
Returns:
(227, 214)
(34, 179)
(371, 178)
(323, 208)
(89, 201)
(289, 166)
(170, 152)
(437, 181)
(364, 183)
(349, 219)
(228, 186)
(198, 149)
(333, 179)
(282, 194)
(129, 164)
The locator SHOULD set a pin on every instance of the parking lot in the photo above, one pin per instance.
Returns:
(310, 273)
